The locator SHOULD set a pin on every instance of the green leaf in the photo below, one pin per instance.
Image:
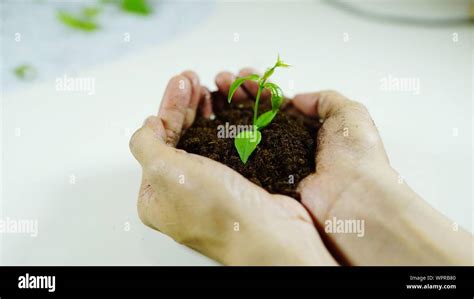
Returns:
(140, 7)
(246, 142)
(277, 95)
(268, 73)
(265, 119)
(90, 12)
(280, 63)
(76, 23)
(271, 70)
(238, 82)
(25, 72)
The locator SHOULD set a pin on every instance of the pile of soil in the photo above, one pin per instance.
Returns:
(285, 155)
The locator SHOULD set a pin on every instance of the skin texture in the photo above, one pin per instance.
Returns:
(209, 207)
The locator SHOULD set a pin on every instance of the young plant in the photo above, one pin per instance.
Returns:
(246, 141)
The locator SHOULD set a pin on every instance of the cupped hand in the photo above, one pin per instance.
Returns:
(208, 206)
(384, 222)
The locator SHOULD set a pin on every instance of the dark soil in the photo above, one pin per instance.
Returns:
(285, 155)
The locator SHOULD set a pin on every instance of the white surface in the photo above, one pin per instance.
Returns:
(65, 133)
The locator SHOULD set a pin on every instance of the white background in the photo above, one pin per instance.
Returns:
(66, 134)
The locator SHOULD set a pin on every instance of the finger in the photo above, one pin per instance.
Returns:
(320, 104)
(205, 104)
(142, 141)
(224, 80)
(251, 86)
(347, 125)
(174, 109)
(195, 96)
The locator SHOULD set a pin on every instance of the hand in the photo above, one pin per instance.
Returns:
(206, 205)
(354, 181)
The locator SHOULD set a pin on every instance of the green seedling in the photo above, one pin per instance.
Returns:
(246, 141)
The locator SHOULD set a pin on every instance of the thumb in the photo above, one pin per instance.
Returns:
(147, 141)
(348, 130)
(321, 104)
(347, 140)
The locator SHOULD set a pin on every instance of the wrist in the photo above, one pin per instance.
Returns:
(400, 228)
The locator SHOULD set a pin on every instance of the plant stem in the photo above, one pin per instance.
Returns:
(257, 100)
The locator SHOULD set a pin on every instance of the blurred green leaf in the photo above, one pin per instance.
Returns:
(136, 6)
(25, 72)
(280, 63)
(83, 24)
(90, 12)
